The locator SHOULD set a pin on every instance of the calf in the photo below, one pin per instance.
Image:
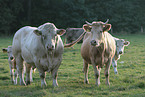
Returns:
(120, 44)
(12, 65)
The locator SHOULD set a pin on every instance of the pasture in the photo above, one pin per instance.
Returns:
(129, 82)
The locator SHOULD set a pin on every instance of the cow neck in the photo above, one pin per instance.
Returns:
(49, 66)
(101, 48)
(50, 56)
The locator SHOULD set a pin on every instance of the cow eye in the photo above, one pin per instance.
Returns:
(101, 31)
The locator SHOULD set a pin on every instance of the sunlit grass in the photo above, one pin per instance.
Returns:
(129, 82)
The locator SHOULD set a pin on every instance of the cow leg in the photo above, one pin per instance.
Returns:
(97, 74)
(85, 67)
(28, 68)
(16, 76)
(54, 76)
(41, 73)
(12, 74)
(114, 64)
(107, 68)
(31, 78)
(19, 64)
(42, 77)
(43, 82)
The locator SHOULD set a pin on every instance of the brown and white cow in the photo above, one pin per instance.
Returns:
(72, 34)
(120, 44)
(41, 47)
(98, 49)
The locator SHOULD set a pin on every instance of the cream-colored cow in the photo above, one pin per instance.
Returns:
(41, 47)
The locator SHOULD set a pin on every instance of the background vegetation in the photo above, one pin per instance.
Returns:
(130, 82)
(125, 15)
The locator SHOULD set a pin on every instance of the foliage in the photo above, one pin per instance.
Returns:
(129, 82)
(124, 15)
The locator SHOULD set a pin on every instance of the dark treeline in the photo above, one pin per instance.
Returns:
(124, 15)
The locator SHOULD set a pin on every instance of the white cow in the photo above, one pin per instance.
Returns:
(41, 47)
(120, 44)
(12, 65)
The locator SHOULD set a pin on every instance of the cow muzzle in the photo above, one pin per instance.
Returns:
(94, 43)
(50, 48)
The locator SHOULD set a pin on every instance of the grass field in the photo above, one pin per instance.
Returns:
(129, 82)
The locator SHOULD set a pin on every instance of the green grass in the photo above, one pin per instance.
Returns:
(129, 82)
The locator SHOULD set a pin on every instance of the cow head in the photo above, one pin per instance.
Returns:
(120, 46)
(9, 51)
(97, 30)
(48, 33)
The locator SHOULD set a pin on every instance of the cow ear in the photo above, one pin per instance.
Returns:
(4, 50)
(37, 32)
(61, 32)
(126, 43)
(87, 28)
(107, 27)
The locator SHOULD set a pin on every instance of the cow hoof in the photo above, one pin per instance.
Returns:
(116, 72)
(13, 82)
(86, 82)
(108, 84)
(27, 82)
(31, 80)
(22, 84)
(55, 85)
(98, 84)
(43, 85)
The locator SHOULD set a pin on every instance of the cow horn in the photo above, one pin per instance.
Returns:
(106, 22)
(90, 24)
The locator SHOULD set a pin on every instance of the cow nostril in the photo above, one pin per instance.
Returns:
(11, 58)
(93, 42)
(50, 47)
(120, 52)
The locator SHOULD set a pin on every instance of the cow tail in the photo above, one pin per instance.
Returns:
(74, 42)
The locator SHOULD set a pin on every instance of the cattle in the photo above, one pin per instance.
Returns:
(72, 34)
(120, 44)
(41, 47)
(98, 48)
(12, 65)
